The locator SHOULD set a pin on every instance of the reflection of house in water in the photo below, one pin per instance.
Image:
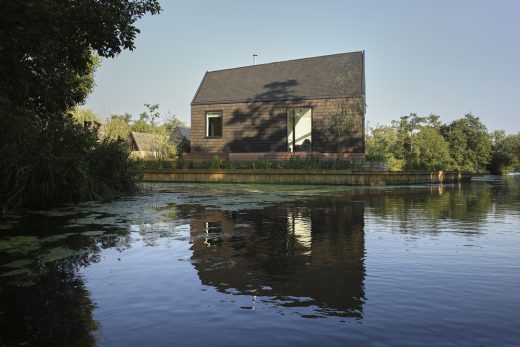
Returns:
(310, 256)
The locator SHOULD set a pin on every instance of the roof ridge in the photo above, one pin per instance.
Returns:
(275, 62)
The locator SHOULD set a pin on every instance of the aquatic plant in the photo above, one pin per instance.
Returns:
(216, 163)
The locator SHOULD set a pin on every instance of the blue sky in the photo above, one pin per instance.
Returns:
(443, 57)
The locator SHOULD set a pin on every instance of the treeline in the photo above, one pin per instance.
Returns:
(415, 143)
(49, 51)
(120, 126)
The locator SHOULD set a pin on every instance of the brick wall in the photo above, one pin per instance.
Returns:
(262, 126)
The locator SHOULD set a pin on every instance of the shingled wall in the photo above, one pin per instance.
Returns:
(262, 126)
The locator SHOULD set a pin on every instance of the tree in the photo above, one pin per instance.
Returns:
(469, 142)
(117, 127)
(406, 129)
(84, 115)
(512, 147)
(413, 142)
(49, 51)
(120, 127)
(147, 122)
(151, 115)
(382, 144)
(431, 151)
(47, 48)
(505, 152)
(173, 122)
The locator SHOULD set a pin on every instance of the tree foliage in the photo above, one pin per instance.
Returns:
(46, 48)
(416, 142)
(116, 127)
(431, 150)
(84, 115)
(120, 127)
(383, 144)
(470, 143)
(49, 51)
(505, 152)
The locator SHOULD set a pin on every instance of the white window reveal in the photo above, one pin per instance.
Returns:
(299, 129)
(214, 124)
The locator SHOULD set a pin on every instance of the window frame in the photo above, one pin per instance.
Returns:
(214, 114)
(289, 141)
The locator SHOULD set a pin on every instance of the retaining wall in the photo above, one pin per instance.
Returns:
(334, 177)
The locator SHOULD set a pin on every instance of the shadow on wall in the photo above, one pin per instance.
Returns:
(260, 125)
(266, 114)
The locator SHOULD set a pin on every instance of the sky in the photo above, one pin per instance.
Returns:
(446, 57)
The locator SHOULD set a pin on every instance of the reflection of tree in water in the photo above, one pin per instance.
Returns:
(312, 253)
(506, 193)
(416, 208)
(309, 255)
(55, 310)
(48, 303)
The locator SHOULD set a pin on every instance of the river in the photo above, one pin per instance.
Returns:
(267, 265)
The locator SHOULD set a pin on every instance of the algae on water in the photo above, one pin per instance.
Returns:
(17, 272)
(55, 238)
(93, 233)
(20, 263)
(19, 244)
(57, 253)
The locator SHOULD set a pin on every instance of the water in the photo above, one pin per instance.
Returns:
(247, 265)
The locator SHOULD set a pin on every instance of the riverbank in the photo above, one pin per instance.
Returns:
(328, 177)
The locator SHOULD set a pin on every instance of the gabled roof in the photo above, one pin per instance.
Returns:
(147, 142)
(308, 78)
(179, 133)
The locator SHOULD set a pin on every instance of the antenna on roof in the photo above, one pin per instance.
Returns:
(254, 58)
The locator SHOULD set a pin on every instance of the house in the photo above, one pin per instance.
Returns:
(143, 145)
(280, 109)
(180, 134)
(181, 137)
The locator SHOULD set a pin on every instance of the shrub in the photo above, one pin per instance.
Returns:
(267, 164)
(230, 165)
(279, 164)
(58, 161)
(312, 162)
(295, 162)
(110, 171)
(216, 163)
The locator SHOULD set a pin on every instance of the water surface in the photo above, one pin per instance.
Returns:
(261, 265)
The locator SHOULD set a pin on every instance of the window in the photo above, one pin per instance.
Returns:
(299, 129)
(214, 124)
